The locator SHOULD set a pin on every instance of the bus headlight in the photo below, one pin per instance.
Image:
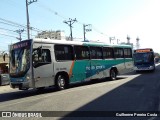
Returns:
(27, 77)
(151, 67)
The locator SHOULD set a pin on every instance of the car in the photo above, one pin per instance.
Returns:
(156, 60)
(4, 79)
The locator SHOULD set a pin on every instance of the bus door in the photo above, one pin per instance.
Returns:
(119, 60)
(82, 67)
(128, 59)
(42, 66)
(81, 71)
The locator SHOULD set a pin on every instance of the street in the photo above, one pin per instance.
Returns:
(131, 92)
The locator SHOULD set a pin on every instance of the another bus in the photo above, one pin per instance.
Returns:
(39, 63)
(144, 60)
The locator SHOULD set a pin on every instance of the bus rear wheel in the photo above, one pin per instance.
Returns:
(61, 82)
(113, 74)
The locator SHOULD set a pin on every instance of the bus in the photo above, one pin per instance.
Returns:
(144, 60)
(39, 63)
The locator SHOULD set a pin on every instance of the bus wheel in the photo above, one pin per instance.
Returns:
(61, 82)
(113, 74)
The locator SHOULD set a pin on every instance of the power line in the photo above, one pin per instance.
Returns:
(8, 35)
(51, 10)
(15, 31)
(7, 29)
(57, 14)
(20, 32)
(32, 28)
(98, 31)
(9, 24)
(14, 24)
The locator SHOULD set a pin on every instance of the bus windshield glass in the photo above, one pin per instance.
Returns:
(144, 57)
(19, 59)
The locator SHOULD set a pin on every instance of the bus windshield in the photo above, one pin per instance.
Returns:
(19, 61)
(144, 57)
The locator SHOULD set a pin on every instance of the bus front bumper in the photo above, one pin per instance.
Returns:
(144, 68)
(20, 85)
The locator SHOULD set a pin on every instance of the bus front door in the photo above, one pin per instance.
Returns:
(42, 68)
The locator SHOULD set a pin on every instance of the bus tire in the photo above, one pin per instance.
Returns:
(61, 82)
(113, 74)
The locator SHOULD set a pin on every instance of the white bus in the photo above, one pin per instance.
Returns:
(39, 63)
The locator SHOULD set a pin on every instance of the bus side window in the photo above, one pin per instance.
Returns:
(108, 53)
(81, 52)
(63, 52)
(41, 57)
(127, 53)
(118, 52)
(96, 52)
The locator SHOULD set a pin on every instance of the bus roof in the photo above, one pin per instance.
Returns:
(52, 41)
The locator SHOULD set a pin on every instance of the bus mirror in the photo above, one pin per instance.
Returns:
(4, 56)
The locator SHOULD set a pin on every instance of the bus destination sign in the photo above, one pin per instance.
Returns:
(21, 44)
(143, 50)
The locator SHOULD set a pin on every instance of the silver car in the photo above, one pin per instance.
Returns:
(4, 79)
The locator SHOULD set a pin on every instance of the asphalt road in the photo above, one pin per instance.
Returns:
(131, 93)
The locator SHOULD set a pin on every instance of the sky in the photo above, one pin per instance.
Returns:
(108, 18)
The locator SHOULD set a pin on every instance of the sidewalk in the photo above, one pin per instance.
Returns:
(6, 88)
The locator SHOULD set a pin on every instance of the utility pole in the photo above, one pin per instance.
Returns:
(137, 43)
(19, 32)
(86, 30)
(28, 24)
(111, 38)
(70, 23)
(128, 39)
(118, 41)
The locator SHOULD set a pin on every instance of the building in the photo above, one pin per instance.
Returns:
(4, 61)
(58, 35)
